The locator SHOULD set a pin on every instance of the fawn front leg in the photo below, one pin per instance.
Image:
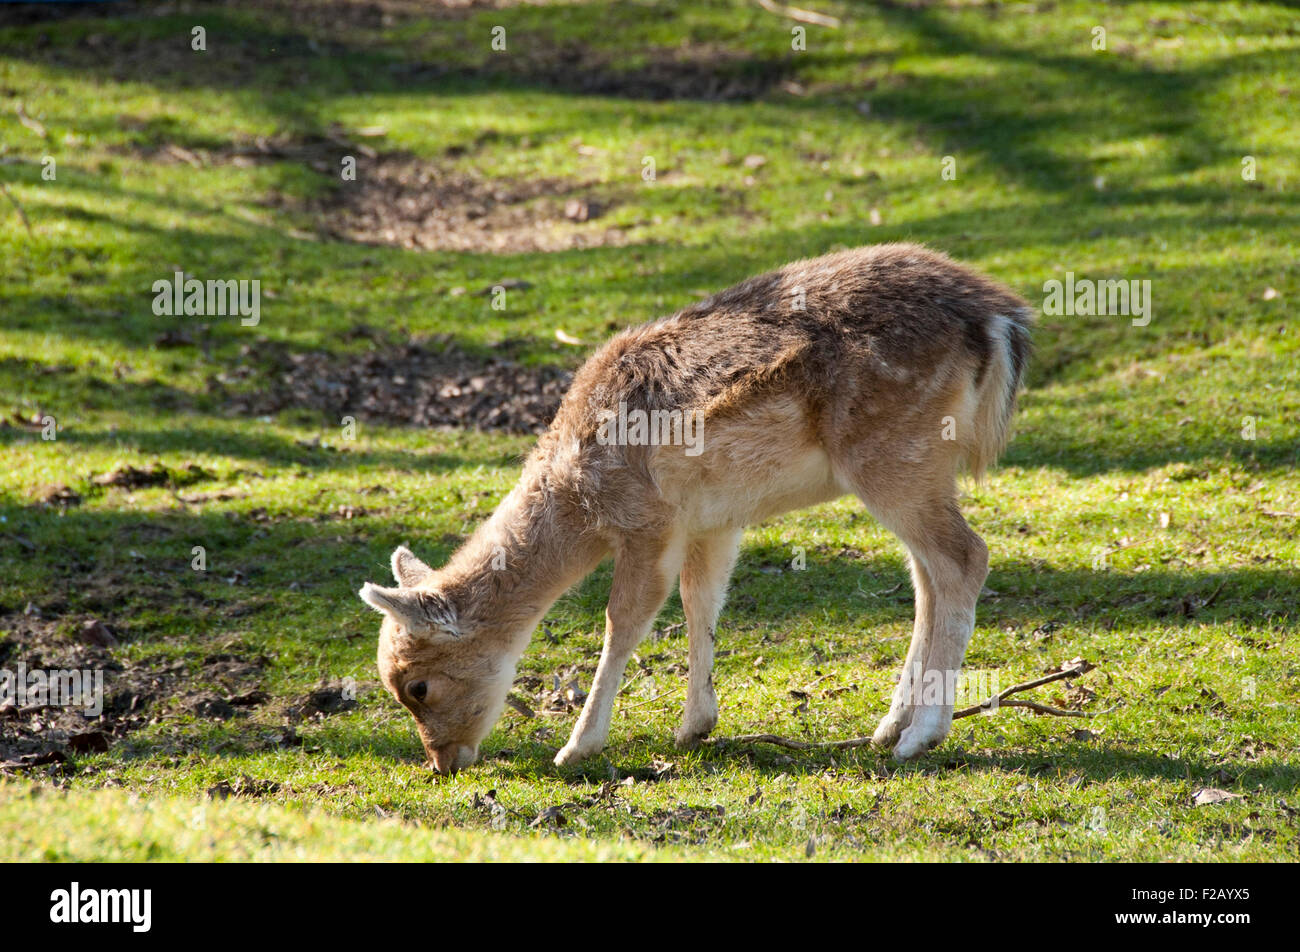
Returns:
(708, 565)
(643, 574)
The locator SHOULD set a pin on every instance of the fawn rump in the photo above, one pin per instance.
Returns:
(879, 371)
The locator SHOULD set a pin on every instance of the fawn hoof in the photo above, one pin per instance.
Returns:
(890, 728)
(572, 753)
(928, 729)
(689, 739)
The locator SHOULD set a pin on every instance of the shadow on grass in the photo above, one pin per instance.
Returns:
(58, 544)
(244, 441)
(135, 569)
(765, 590)
(1090, 763)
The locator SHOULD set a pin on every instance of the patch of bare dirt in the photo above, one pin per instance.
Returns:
(411, 203)
(692, 71)
(58, 494)
(328, 698)
(375, 14)
(408, 202)
(37, 733)
(421, 383)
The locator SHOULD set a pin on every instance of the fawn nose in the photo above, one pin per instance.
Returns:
(444, 759)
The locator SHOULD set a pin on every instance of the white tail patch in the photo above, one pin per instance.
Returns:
(995, 397)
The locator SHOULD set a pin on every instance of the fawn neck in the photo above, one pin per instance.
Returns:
(514, 566)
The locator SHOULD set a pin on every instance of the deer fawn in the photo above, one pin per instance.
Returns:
(877, 371)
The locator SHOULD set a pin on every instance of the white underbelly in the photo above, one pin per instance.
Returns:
(748, 467)
(741, 494)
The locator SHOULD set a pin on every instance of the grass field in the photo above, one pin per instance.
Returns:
(1144, 518)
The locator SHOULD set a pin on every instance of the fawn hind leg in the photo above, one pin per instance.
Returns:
(956, 562)
(901, 708)
(709, 561)
(949, 565)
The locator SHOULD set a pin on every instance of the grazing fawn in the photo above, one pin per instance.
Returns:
(878, 371)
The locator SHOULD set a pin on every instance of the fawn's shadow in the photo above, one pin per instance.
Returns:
(1078, 762)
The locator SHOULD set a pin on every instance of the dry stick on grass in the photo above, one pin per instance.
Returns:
(21, 214)
(801, 16)
(998, 700)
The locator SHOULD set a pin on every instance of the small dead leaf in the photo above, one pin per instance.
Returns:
(574, 694)
(516, 703)
(95, 632)
(1207, 795)
(551, 816)
(89, 742)
(662, 769)
(580, 209)
(128, 477)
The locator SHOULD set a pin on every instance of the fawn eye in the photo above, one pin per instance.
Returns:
(418, 690)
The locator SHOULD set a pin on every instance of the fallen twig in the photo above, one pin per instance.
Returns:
(649, 700)
(31, 124)
(998, 700)
(1214, 596)
(1070, 671)
(21, 214)
(800, 16)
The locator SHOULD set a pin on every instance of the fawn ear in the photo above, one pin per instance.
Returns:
(408, 569)
(423, 613)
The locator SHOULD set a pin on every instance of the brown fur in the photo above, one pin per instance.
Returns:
(878, 371)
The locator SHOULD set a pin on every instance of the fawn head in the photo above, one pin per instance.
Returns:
(448, 679)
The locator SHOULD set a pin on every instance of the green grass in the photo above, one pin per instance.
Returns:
(1124, 163)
